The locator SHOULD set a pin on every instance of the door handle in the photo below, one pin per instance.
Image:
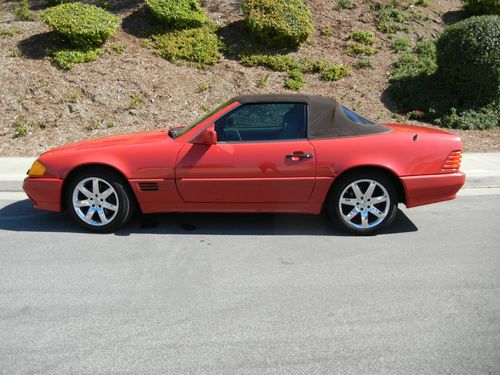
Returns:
(300, 155)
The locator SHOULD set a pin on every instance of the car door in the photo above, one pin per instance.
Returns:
(262, 155)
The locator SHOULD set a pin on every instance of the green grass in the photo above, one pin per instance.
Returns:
(326, 31)
(117, 48)
(134, 101)
(23, 13)
(365, 62)
(10, 31)
(263, 80)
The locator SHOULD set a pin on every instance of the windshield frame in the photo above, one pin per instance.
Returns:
(175, 134)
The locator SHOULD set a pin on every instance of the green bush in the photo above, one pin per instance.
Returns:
(482, 118)
(355, 49)
(364, 37)
(82, 25)
(422, 62)
(68, 58)
(200, 46)
(179, 13)
(277, 63)
(391, 19)
(468, 56)
(482, 6)
(295, 80)
(401, 44)
(335, 72)
(279, 23)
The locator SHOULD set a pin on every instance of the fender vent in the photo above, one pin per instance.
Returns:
(148, 186)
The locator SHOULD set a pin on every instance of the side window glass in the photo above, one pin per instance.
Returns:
(263, 122)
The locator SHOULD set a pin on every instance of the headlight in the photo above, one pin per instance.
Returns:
(37, 169)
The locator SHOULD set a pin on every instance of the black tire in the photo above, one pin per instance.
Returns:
(121, 199)
(364, 207)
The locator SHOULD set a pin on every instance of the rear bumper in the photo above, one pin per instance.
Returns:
(45, 193)
(428, 189)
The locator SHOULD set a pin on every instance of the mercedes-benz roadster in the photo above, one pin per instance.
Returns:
(254, 154)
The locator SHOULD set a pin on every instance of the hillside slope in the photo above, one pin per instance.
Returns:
(42, 106)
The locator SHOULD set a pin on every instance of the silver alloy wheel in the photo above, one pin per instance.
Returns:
(364, 204)
(95, 201)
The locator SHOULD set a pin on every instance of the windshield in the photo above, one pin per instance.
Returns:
(353, 116)
(178, 132)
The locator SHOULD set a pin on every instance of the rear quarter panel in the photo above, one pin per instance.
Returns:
(405, 151)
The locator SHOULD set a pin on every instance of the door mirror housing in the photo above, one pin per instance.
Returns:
(207, 137)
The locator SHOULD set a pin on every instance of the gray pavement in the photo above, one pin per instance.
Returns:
(252, 294)
(482, 169)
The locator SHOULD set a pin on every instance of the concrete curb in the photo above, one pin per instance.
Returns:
(482, 169)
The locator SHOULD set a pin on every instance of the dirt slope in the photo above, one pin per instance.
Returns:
(137, 90)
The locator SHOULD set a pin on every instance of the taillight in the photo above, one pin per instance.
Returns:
(453, 161)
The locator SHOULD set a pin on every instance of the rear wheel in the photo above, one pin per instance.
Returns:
(99, 200)
(363, 203)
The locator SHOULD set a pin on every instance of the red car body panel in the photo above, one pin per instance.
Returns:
(252, 176)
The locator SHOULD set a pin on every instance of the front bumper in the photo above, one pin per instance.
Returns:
(428, 189)
(45, 193)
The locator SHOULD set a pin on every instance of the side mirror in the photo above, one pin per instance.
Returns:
(208, 137)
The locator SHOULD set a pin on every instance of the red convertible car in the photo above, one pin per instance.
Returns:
(288, 153)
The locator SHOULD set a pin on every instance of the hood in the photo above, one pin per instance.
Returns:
(114, 141)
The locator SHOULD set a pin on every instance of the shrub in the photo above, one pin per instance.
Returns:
(482, 118)
(364, 37)
(200, 46)
(296, 80)
(391, 19)
(68, 58)
(23, 13)
(279, 23)
(401, 44)
(482, 6)
(335, 72)
(82, 25)
(277, 63)
(420, 63)
(354, 49)
(315, 66)
(179, 13)
(468, 55)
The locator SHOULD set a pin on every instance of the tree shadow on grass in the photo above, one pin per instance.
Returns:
(114, 6)
(39, 46)
(454, 16)
(238, 40)
(142, 24)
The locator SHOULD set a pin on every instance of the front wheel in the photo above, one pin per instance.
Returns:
(363, 203)
(98, 200)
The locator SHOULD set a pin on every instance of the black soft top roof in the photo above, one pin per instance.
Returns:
(326, 117)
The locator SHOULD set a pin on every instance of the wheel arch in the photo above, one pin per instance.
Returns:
(375, 168)
(92, 166)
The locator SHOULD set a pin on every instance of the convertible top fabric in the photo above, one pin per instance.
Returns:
(326, 117)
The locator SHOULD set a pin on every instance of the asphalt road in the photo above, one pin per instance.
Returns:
(252, 294)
